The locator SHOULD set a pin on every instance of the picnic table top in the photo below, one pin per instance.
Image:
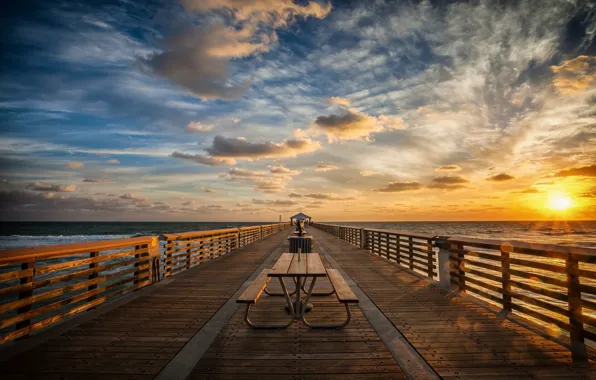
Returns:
(288, 265)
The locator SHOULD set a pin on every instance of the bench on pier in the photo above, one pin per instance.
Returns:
(344, 295)
(251, 296)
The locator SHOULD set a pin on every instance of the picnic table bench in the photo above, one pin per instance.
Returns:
(298, 267)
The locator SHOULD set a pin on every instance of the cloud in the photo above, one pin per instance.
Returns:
(195, 126)
(352, 125)
(278, 202)
(396, 187)
(529, 191)
(96, 180)
(213, 191)
(280, 170)
(585, 171)
(450, 180)
(325, 168)
(237, 172)
(42, 186)
(197, 58)
(502, 177)
(348, 125)
(113, 162)
(208, 190)
(369, 173)
(295, 195)
(575, 75)
(237, 147)
(339, 101)
(448, 168)
(276, 12)
(203, 159)
(328, 196)
(133, 197)
(269, 186)
(74, 165)
(448, 183)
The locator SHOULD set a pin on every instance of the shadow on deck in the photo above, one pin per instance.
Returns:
(190, 326)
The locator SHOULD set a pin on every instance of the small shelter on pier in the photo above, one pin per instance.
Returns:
(300, 216)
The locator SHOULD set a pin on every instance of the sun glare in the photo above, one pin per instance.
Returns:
(560, 202)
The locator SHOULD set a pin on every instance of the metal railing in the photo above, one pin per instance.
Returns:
(551, 285)
(42, 286)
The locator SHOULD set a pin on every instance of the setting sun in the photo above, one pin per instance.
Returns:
(560, 202)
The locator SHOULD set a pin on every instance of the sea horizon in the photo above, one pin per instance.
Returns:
(25, 234)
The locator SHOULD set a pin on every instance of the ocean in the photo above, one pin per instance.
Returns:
(33, 234)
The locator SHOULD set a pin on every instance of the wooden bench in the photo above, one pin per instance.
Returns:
(251, 296)
(344, 295)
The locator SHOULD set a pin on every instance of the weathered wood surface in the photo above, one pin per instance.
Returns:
(298, 352)
(456, 336)
(342, 289)
(137, 339)
(254, 291)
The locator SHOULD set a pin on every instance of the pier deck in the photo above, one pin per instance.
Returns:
(188, 326)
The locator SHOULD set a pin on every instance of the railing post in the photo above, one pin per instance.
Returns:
(362, 245)
(137, 273)
(506, 277)
(411, 252)
(168, 265)
(398, 248)
(443, 269)
(576, 335)
(460, 268)
(25, 294)
(93, 275)
(429, 261)
(188, 254)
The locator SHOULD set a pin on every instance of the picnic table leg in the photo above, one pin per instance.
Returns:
(272, 326)
(308, 295)
(282, 294)
(329, 325)
(316, 294)
(298, 306)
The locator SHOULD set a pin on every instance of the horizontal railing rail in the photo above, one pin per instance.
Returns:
(42, 286)
(551, 285)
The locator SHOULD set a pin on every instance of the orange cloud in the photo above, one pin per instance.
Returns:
(575, 75)
(74, 165)
(448, 168)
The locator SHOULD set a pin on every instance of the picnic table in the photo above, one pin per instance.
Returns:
(299, 267)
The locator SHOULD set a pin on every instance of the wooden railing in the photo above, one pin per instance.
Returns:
(550, 285)
(42, 286)
(185, 250)
(414, 251)
(247, 235)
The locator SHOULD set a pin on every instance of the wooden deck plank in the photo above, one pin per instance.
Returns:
(457, 337)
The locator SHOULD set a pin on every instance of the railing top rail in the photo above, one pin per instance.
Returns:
(550, 250)
(249, 228)
(74, 248)
(192, 234)
(403, 233)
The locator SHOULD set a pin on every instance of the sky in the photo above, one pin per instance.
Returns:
(245, 110)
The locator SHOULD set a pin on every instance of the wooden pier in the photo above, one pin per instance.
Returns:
(177, 319)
